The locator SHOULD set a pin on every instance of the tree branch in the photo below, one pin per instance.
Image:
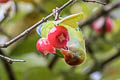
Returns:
(55, 58)
(107, 8)
(100, 66)
(33, 27)
(8, 67)
(91, 52)
(56, 13)
(110, 59)
(95, 1)
(9, 60)
(53, 62)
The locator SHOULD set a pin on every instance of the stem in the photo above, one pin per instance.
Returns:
(33, 27)
(95, 1)
(53, 62)
(107, 8)
(8, 68)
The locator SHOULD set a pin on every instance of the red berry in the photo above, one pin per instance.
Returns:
(44, 46)
(98, 24)
(71, 58)
(58, 36)
(3, 1)
(108, 24)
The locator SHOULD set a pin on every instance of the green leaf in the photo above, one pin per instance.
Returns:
(58, 53)
(46, 27)
(71, 20)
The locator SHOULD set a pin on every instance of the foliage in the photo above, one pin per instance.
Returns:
(28, 12)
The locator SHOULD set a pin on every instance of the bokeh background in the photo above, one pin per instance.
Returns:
(21, 14)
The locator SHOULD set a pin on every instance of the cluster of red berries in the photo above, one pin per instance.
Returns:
(3, 1)
(103, 21)
(57, 38)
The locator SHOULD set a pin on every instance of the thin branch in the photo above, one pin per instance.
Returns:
(9, 60)
(33, 27)
(95, 1)
(103, 12)
(107, 1)
(8, 68)
(55, 58)
(56, 13)
(110, 59)
(53, 62)
(107, 8)
(91, 52)
(100, 66)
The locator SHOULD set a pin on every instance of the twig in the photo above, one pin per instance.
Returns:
(55, 58)
(32, 27)
(107, 1)
(110, 59)
(101, 65)
(8, 67)
(104, 11)
(95, 1)
(56, 13)
(9, 60)
(91, 52)
(53, 62)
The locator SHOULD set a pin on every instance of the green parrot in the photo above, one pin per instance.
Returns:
(76, 44)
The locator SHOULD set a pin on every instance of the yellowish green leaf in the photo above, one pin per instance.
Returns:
(71, 20)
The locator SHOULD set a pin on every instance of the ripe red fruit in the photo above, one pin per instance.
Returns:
(98, 24)
(108, 24)
(58, 36)
(44, 46)
(3, 1)
(71, 58)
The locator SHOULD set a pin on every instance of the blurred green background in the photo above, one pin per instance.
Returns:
(25, 13)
